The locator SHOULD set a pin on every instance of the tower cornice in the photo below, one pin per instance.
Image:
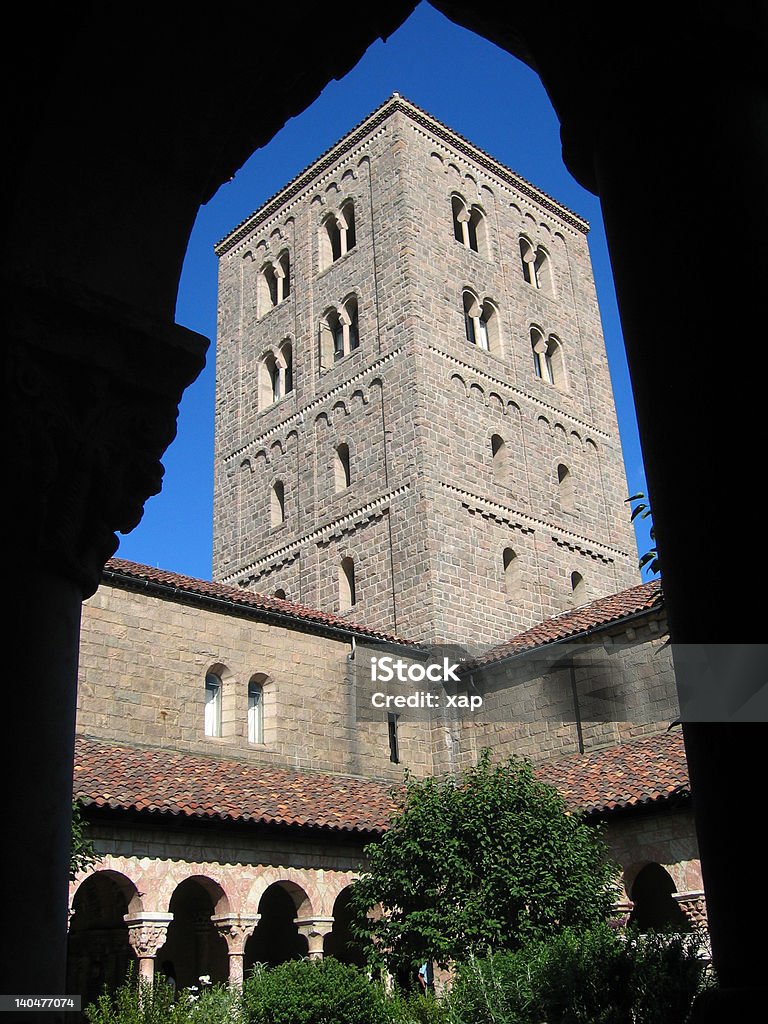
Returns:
(358, 134)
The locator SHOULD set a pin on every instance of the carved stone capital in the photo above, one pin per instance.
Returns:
(147, 932)
(314, 929)
(92, 398)
(620, 915)
(694, 906)
(236, 929)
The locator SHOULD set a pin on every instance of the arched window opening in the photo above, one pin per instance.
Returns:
(277, 503)
(280, 593)
(537, 266)
(565, 487)
(469, 225)
(339, 333)
(578, 590)
(342, 477)
(548, 363)
(212, 704)
(286, 358)
(256, 711)
(460, 217)
(348, 236)
(542, 270)
(480, 323)
(347, 588)
(476, 231)
(270, 279)
(528, 258)
(283, 277)
(511, 565)
(499, 457)
(353, 332)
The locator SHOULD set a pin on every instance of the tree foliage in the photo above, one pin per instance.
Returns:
(81, 854)
(649, 559)
(489, 862)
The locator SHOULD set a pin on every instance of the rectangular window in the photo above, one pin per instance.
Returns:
(394, 746)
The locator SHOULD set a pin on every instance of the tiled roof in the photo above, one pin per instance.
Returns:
(577, 621)
(191, 786)
(640, 773)
(117, 571)
(643, 772)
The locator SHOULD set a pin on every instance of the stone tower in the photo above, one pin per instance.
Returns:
(414, 418)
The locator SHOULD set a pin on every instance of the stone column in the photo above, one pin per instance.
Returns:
(236, 930)
(91, 402)
(622, 911)
(147, 933)
(314, 929)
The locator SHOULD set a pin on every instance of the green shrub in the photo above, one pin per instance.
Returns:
(590, 977)
(417, 1008)
(135, 1003)
(141, 1003)
(313, 992)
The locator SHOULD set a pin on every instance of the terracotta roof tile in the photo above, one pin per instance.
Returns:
(643, 772)
(187, 785)
(595, 615)
(118, 569)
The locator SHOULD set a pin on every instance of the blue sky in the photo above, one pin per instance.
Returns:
(481, 92)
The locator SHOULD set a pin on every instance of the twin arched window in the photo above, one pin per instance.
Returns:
(276, 375)
(213, 701)
(339, 332)
(537, 266)
(274, 282)
(481, 322)
(337, 234)
(469, 226)
(547, 354)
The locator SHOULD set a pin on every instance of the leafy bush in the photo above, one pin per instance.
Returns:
(417, 1008)
(142, 1003)
(313, 992)
(590, 977)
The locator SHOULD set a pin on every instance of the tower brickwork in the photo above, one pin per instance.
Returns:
(415, 425)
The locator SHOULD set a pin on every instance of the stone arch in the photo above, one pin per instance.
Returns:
(654, 907)
(193, 946)
(340, 942)
(458, 383)
(276, 938)
(99, 952)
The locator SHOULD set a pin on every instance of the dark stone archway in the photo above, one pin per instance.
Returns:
(148, 111)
